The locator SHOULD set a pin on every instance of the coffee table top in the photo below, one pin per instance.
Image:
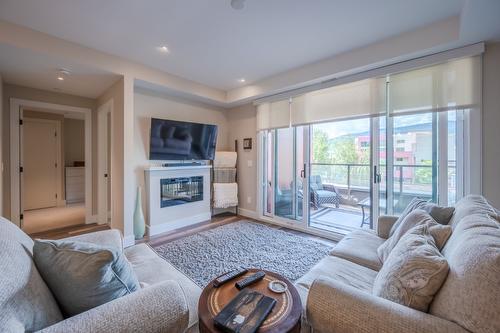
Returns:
(285, 316)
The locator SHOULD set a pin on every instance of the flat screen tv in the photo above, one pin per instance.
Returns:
(179, 140)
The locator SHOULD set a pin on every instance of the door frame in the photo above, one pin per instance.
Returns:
(16, 105)
(104, 213)
(59, 180)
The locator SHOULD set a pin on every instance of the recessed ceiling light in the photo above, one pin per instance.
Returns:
(163, 49)
(62, 73)
(60, 78)
(237, 4)
(242, 80)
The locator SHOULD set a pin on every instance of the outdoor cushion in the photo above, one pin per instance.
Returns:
(360, 247)
(413, 272)
(83, 275)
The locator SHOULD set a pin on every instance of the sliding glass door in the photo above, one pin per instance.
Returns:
(284, 182)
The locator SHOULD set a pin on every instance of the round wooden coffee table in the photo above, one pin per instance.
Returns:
(285, 316)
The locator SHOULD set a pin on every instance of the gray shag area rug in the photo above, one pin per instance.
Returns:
(208, 254)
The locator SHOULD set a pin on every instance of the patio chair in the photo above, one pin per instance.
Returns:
(321, 193)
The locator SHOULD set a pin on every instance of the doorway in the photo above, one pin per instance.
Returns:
(50, 188)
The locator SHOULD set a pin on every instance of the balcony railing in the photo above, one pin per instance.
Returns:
(410, 179)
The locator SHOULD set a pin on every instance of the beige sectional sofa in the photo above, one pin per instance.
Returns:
(337, 296)
(167, 301)
(336, 292)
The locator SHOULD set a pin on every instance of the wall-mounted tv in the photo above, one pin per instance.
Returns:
(179, 140)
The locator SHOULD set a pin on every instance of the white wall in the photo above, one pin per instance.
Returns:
(491, 123)
(148, 105)
(243, 124)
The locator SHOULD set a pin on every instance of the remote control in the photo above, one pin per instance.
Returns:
(249, 280)
(229, 276)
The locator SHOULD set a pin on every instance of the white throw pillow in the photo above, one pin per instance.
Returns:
(441, 233)
(414, 271)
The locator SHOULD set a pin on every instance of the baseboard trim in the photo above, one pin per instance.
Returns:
(248, 213)
(172, 225)
(92, 219)
(128, 241)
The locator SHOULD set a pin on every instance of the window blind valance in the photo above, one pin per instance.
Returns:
(352, 100)
(273, 115)
(452, 85)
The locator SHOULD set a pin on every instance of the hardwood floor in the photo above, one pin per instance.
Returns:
(70, 231)
(215, 222)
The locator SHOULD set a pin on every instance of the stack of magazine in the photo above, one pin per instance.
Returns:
(245, 313)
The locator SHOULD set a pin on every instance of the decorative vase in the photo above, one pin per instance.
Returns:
(139, 223)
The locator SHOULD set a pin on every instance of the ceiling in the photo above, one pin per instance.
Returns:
(210, 42)
(26, 68)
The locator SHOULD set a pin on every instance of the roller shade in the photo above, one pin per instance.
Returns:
(273, 115)
(452, 85)
(352, 100)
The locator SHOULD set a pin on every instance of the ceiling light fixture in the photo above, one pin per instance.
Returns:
(163, 49)
(62, 73)
(242, 80)
(238, 4)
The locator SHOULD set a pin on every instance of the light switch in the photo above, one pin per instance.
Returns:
(250, 163)
(249, 200)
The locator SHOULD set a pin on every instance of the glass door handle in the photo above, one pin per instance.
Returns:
(376, 176)
(303, 172)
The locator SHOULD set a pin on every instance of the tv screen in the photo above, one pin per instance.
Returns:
(179, 140)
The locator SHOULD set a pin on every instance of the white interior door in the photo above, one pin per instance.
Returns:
(40, 150)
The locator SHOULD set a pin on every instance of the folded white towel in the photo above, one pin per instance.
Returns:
(225, 195)
(225, 159)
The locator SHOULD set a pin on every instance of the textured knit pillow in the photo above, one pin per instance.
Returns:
(441, 233)
(413, 272)
(441, 215)
(82, 275)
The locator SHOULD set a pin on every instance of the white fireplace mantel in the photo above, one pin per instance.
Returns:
(166, 219)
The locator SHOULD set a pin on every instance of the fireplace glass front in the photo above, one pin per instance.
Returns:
(178, 191)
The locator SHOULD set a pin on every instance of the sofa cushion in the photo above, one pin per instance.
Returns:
(26, 303)
(151, 269)
(414, 271)
(441, 215)
(470, 294)
(471, 204)
(439, 232)
(83, 275)
(360, 247)
(342, 270)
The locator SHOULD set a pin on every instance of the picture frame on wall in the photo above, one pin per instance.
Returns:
(247, 143)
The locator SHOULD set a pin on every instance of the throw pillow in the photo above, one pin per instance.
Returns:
(82, 275)
(441, 233)
(414, 271)
(442, 215)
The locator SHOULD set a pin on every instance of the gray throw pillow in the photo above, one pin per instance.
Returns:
(414, 271)
(441, 215)
(82, 275)
(441, 233)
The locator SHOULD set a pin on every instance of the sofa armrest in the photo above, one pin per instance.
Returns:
(159, 308)
(333, 306)
(112, 238)
(384, 225)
